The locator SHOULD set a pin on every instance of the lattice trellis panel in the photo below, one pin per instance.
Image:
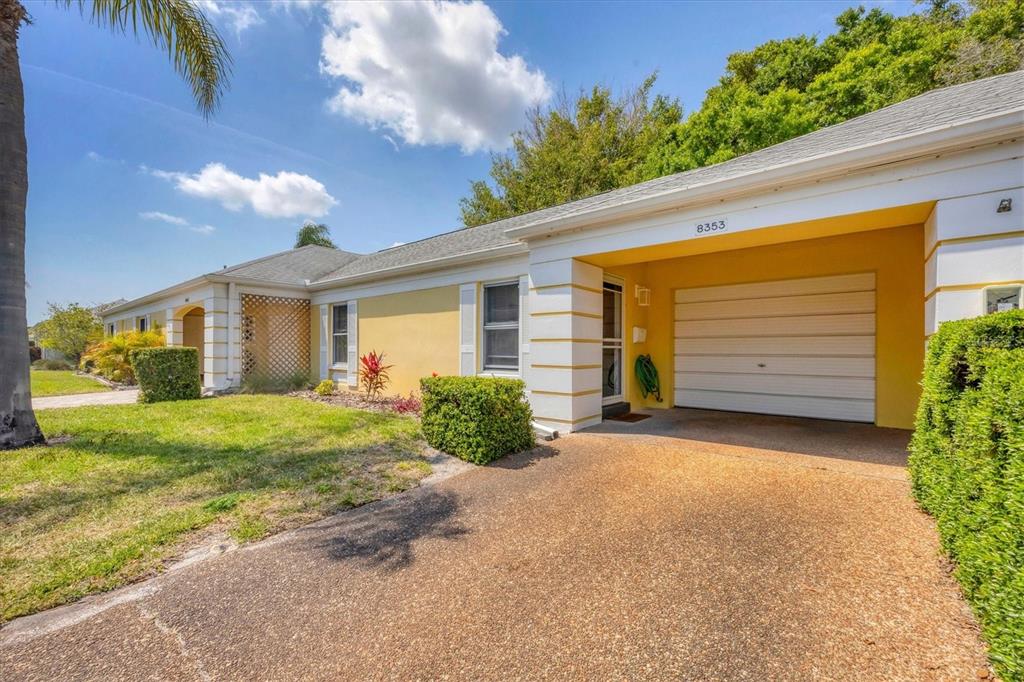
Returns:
(275, 336)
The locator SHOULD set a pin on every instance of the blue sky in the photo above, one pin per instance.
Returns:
(370, 130)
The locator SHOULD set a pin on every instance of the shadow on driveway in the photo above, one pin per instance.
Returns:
(382, 536)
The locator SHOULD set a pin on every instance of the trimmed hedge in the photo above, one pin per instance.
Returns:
(478, 419)
(166, 373)
(967, 469)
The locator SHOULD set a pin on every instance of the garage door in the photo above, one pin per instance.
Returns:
(802, 347)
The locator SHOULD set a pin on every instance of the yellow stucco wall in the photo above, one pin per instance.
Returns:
(158, 320)
(895, 255)
(417, 331)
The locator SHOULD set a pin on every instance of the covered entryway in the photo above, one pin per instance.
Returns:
(802, 347)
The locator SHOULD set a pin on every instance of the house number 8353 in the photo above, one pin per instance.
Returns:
(710, 227)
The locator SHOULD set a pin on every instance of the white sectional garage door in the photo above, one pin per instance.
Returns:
(802, 347)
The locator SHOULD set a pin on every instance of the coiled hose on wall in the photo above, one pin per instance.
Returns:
(647, 375)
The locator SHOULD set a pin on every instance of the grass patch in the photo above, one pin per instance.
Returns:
(60, 382)
(136, 484)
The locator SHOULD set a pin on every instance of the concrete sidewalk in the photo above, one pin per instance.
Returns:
(125, 397)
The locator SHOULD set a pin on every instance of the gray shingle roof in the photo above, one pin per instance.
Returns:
(294, 266)
(948, 106)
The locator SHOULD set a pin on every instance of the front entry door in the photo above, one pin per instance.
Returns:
(611, 344)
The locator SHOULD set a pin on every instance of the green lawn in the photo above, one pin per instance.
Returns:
(58, 382)
(127, 487)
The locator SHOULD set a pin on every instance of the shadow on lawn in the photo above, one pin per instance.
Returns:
(382, 535)
(220, 470)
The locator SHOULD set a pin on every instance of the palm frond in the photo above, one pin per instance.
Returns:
(178, 26)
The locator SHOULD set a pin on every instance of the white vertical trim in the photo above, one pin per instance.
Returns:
(324, 349)
(353, 344)
(467, 327)
(524, 326)
(234, 321)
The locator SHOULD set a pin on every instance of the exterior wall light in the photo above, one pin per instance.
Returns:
(643, 295)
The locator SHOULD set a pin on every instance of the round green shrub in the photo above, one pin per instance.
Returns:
(478, 419)
(325, 387)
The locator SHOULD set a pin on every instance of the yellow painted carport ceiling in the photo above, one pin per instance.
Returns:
(912, 214)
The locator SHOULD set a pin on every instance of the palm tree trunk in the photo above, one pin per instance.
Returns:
(18, 425)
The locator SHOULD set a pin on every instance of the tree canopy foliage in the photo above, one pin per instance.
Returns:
(774, 92)
(69, 330)
(315, 234)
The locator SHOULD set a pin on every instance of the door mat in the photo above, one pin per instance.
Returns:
(629, 417)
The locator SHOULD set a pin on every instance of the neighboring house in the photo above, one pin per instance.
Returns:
(802, 279)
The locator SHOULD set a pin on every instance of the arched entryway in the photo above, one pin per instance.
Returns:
(193, 323)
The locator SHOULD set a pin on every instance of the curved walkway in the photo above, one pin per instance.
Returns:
(130, 395)
(619, 555)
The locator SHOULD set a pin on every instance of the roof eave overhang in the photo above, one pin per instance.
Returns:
(211, 278)
(473, 257)
(937, 140)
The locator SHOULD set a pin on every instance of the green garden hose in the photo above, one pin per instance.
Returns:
(647, 375)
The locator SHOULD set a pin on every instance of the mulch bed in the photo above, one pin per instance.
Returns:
(354, 399)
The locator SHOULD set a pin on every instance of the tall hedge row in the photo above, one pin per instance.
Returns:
(166, 373)
(478, 419)
(967, 469)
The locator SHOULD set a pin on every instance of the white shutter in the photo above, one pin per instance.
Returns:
(524, 326)
(353, 344)
(325, 336)
(467, 329)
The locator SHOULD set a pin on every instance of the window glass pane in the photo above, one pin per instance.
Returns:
(998, 300)
(501, 304)
(501, 349)
(612, 314)
(142, 324)
(611, 367)
(340, 348)
(340, 319)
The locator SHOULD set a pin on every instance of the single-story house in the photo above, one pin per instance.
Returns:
(802, 279)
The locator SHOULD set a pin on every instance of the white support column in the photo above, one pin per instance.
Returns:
(564, 377)
(969, 247)
(215, 340)
(173, 329)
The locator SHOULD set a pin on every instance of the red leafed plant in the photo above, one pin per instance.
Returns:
(373, 373)
(409, 405)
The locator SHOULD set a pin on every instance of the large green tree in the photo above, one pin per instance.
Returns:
(774, 92)
(69, 330)
(196, 52)
(580, 147)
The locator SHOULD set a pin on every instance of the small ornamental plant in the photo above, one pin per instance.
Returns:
(407, 405)
(373, 374)
(325, 387)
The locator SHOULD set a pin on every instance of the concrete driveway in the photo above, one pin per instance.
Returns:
(649, 550)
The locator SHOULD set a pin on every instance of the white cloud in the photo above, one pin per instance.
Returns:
(284, 195)
(178, 221)
(430, 72)
(237, 15)
(164, 217)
